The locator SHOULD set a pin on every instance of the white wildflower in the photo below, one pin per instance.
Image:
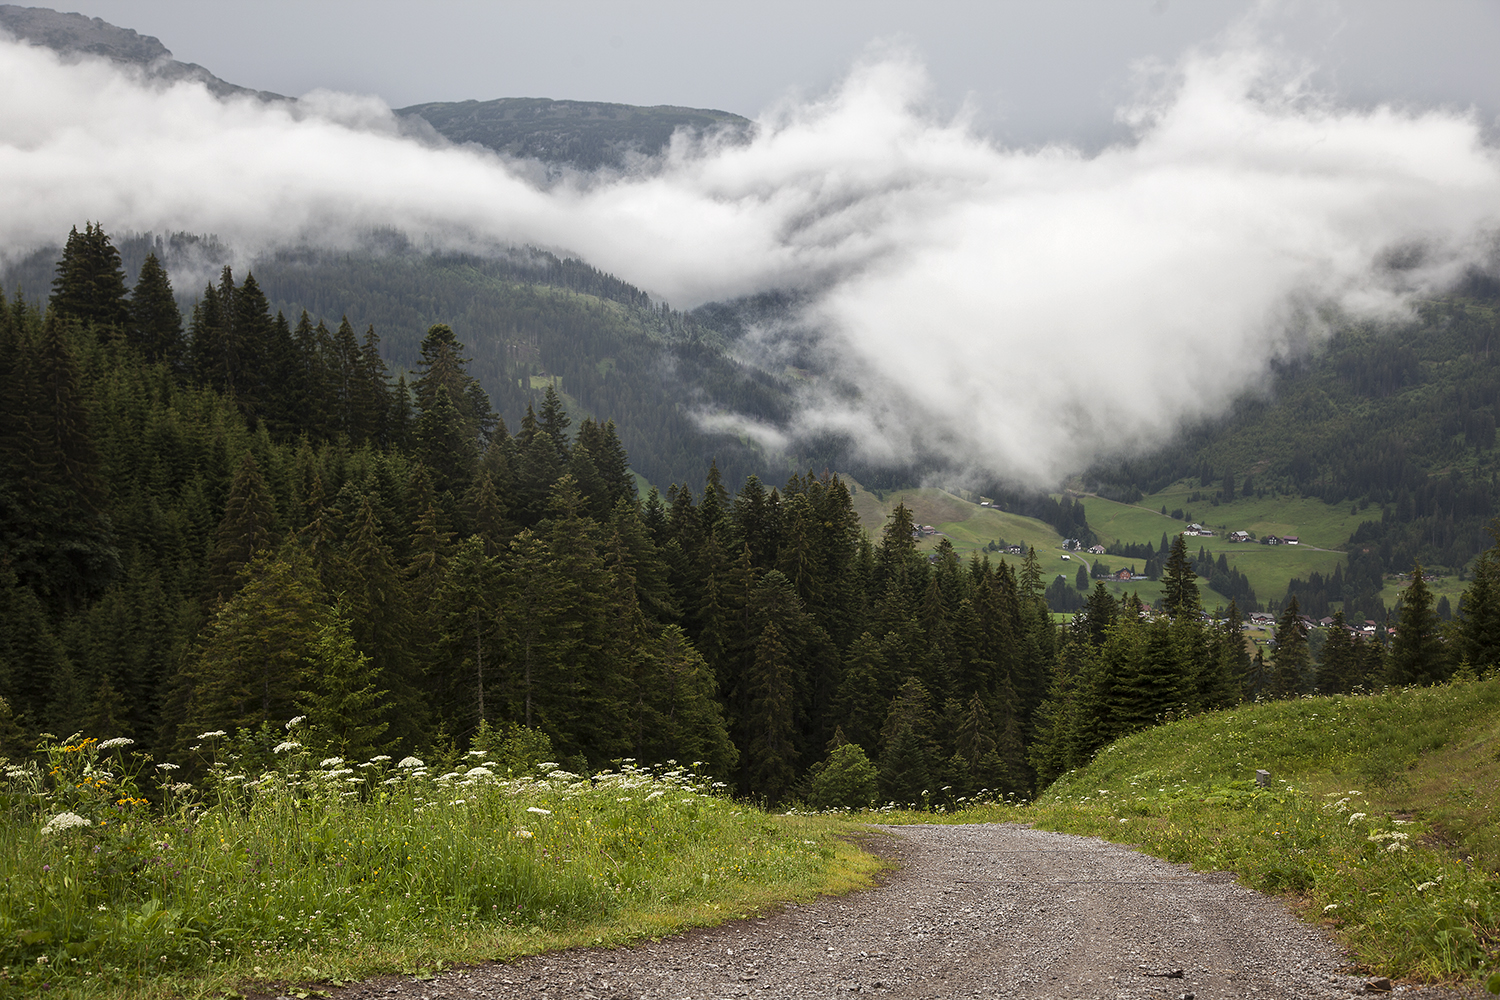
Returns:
(1425, 886)
(64, 821)
(332, 762)
(380, 757)
(655, 794)
(1355, 817)
(479, 772)
(295, 722)
(285, 745)
(457, 802)
(118, 741)
(167, 767)
(212, 735)
(1330, 907)
(539, 810)
(410, 762)
(524, 834)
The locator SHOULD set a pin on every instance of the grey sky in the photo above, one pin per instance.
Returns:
(1033, 71)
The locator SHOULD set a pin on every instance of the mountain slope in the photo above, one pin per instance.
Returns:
(586, 135)
(71, 34)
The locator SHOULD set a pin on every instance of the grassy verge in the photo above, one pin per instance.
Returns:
(1379, 820)
(322, 872)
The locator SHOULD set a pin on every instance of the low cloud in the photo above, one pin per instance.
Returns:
(1017, 311)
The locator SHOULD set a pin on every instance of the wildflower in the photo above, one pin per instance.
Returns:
(524, 834)
(457, 802)
(1330, 907)
(65, 821)
(410, 762)
(539, 810)
(331, 762)
(285, 745)
(166, 767)
(118, 741)
(380, 757)
(1425, 886)
(479, 772)
(294, 722)
(212, 735)
(1353, 817)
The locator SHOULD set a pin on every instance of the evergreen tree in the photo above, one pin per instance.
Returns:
(155, 320)
(90, 283)
(1290, 667)
(1418, 654)
(344, 701)
(247, 528)
(1179, 584)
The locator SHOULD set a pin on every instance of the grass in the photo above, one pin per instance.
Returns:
(1378, 822)
(1267, 567)
(967, 525)
(321, 872)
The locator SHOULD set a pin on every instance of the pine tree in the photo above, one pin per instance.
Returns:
(155, 320)
(90, 283)
(1418, 654)
(247, 528)
(1336, 672)
(344, 700)
(1179, 583)
(771, 754)
(1291, 664)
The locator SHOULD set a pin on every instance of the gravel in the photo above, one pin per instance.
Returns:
(972, 911)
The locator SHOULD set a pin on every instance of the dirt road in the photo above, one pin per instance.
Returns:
(973, 911)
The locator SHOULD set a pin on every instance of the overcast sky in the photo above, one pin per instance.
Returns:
(1032, 71)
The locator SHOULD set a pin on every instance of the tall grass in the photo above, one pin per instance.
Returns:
(301, 868)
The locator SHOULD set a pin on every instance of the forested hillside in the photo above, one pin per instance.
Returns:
(220, 524)
(527, 318)
(1396, 420)
(585, 135)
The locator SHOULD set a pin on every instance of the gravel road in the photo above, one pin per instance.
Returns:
(972, 911)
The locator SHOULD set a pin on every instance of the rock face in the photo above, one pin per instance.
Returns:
(74, 34)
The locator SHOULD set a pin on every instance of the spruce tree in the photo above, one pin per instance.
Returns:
(1418, 654)
(90, 283)
(1179, 585)
(155, 320)
(1291, 664)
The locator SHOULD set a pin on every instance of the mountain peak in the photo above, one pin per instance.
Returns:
(75, 34)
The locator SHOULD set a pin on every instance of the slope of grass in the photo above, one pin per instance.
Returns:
(317, 871)
(1379, 818)
(1267, 567)
(965, 523)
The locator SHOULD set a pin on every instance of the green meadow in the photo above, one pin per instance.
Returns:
(966, 524)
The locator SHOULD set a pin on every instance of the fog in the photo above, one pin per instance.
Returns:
(1021, 312)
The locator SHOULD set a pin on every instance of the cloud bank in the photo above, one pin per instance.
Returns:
(1017, 311)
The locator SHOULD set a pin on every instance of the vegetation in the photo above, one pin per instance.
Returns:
(280, 867)
(584, 135)
(1377, 820)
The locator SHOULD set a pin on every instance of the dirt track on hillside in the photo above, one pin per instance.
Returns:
(972, 911)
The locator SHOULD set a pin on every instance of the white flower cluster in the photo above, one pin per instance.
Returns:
(64, 821)
(1396, 837)
(286, 745)
(118, 741)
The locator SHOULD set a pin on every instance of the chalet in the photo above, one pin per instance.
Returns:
(1325, 622)
(1289, 539)
(1014, 550)
(1271, 540)
(1123, 575)
(1198, 529)
(1096, 550)
(1239, 536)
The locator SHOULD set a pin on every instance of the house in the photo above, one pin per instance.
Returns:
(1096, 550)
(1325, 621)
(1239, 536)
(1123, 575)
(1198, 529)
(1270, 540)
(1014, 550)
(1289, 539)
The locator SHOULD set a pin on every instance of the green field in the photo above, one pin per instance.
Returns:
(967, 525)
(1323, 530)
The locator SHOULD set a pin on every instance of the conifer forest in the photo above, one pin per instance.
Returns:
(222, 521)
